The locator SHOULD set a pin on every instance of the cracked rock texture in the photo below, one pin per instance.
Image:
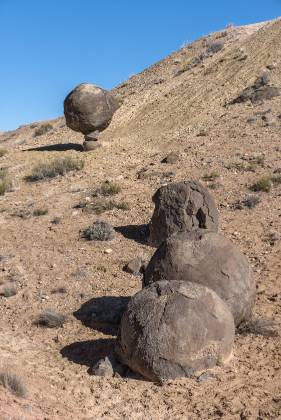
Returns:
(181, 206)
(175, 329)
(210, 259)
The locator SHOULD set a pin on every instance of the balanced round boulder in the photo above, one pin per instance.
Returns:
(175, 329)
(181, 206)
(88, 108)
(210, 259)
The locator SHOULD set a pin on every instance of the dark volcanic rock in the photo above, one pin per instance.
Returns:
(181, 206)
(175, 329)
(88, 108)
(136, 266)
(209, 259)
(259, 91)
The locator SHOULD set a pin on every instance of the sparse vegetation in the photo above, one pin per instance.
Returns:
(40, 212)
(13, 383)
(54, 168)
(5, 181)
(263, 184)
(210, 177)
(3, 152)
(50, 319)
(43, 129)
(59, 290)
(260, 326)
(107, 189)
(9, 291)
(214, 47)
(214, 185)
(99, 231)
(250, 202)
(101, 205)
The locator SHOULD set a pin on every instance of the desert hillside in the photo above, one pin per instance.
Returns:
(190, 103)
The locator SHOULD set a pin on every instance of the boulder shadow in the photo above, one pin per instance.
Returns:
(137, 233)
(103, 313)
(88, 352)
(60, 147)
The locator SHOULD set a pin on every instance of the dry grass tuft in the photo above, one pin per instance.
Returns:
(50, 319)
(107, 189)
(13, 383)
(43, 129)
(5, 181)
(260, 326)
(54, 168)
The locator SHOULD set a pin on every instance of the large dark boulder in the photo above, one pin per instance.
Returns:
(88, 108)
(210, 259)
(175, 329)
(181, 206)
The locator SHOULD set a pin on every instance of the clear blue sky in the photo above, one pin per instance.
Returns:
(49, 46)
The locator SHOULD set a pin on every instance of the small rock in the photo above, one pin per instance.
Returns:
(274, 236)
(172, 157)
(56, 220)
(206, 376)
(108, 251)
(103, 368)
(91, 145)
(93, 136)
(136, 266)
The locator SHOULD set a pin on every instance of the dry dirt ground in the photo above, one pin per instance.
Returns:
(162, 112)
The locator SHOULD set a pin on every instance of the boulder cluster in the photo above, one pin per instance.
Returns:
(89, 110)
(197, 287)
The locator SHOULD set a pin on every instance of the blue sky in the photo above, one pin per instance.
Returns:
(49, 46)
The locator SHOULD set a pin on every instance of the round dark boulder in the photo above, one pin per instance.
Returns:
(88, 108)
(181, 206)
(210, 259)
(174, 329)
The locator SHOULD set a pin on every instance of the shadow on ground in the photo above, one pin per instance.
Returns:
(60, 147)
(138, 233)
(103, 313)
(88, 352)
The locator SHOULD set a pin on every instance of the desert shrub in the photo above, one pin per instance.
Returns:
(59, 290)
(3, 152)
(40, 212)
(214, 185)
(56, 167)
(99, 231)
(50, 319)
(13, 383)
(5, 181)
(251, 201)
(9, 291)
(262, 184)
(214, 47)
(210, 177)
(276, 179)
(101, 206)
(260, 326)
(43, 129)
(242, 167)
(107, 189)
